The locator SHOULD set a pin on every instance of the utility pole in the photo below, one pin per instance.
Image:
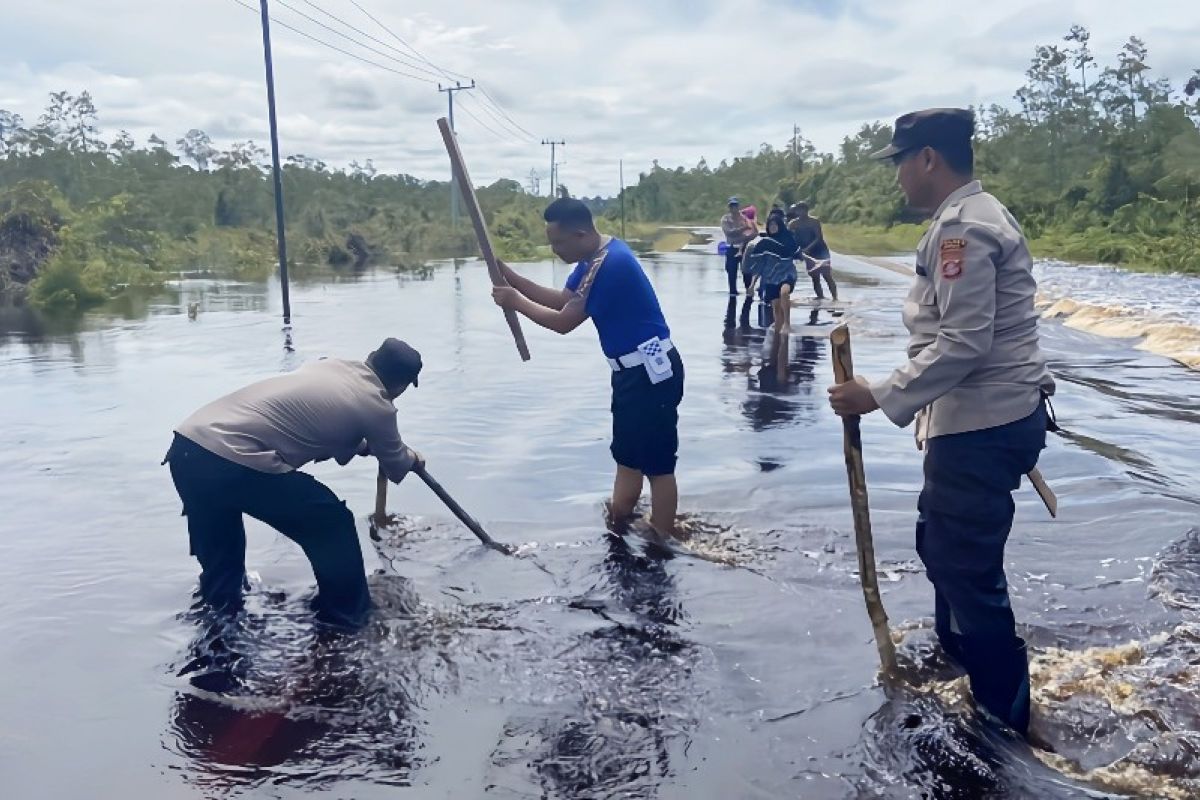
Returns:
(450, 90)
(279, 232)
(553, 164)
(796, 146)
(621, 167)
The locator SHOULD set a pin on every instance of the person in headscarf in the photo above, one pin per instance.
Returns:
(770, 259)
(751, 215)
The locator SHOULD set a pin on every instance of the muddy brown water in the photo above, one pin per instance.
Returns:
(620, 673)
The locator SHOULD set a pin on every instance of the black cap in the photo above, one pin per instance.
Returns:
(932, 127)
(396, 363)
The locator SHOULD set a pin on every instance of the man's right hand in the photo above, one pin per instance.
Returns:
(418, 459)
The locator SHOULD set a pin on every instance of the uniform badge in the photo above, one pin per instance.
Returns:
(950, 257)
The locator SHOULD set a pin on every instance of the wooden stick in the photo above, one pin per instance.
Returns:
(843, 370)
(381, 484)
(481, 232)
(381, 487)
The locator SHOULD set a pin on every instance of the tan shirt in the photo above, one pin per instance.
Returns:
(737, 229)
(325, 409)
(974, 360)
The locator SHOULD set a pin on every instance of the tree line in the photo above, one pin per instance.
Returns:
(82, 217)
(1098, 164)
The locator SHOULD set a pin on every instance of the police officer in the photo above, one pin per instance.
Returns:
(242, 454)
(738, 230)
(976, 382)
(609, 286)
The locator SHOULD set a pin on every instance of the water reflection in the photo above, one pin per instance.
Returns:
(271, 698)
(780, 367)
(634, 678)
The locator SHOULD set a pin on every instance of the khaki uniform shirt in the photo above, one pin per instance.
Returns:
(736, 229)
(325, 409)
(974, 360)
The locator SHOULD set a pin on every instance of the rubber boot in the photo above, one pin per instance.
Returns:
(1000, 682)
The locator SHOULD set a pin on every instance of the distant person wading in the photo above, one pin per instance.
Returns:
(810, 238)
(738, 230)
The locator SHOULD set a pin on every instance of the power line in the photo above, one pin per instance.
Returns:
(407, 59)
(349, 38)
(499, 135)
(449, 74)
(338, 49)
(508, 121)
(487, 109)
(505, 113)
(485, 126)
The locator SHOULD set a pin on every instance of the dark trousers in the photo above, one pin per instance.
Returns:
(825, 272)
(217, 492)
(966, 513)
(733, 261)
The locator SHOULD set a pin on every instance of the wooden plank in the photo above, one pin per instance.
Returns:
(843, 371)
(467, 190)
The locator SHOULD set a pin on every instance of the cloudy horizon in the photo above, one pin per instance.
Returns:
(674, 81)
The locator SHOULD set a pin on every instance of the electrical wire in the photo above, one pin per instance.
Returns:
(504, 119)
(257, 12)
(401, 55)
(349, 38)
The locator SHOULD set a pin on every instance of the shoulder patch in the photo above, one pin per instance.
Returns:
(950, 257)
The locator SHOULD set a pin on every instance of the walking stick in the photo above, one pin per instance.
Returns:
(843, 370)
(381, 484)
(467, 189)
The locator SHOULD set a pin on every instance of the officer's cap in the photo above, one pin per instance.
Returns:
(396, 363)
(933, 127)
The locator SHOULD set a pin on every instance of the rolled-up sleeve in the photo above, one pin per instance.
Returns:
(963, 272)
(383, 438)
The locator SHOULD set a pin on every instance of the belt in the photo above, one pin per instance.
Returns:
(636, 359)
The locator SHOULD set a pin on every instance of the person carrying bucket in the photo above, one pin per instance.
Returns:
(737, 232)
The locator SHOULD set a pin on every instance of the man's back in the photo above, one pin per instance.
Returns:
(325, 409)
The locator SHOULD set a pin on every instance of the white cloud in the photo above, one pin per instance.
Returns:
(673, 79)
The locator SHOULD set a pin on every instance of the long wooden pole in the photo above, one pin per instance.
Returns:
(843, 370)
(481, 232)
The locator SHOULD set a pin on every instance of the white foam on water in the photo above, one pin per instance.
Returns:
(1161, 310)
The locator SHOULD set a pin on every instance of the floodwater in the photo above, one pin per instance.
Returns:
(591, 666)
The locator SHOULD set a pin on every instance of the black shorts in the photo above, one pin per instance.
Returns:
(645, 430)
(773, 291)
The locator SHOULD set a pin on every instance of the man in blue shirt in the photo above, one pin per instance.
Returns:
(609, 285)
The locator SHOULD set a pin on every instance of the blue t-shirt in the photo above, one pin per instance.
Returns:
(620, 301)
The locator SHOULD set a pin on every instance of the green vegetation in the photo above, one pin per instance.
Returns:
(1099, 165)
(82, 219)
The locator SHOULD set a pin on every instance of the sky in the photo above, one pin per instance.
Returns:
(616, 79)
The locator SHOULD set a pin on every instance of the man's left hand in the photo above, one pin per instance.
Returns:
(852, 398)
(506, 296)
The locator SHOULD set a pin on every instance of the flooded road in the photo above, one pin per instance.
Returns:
(615, 672)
